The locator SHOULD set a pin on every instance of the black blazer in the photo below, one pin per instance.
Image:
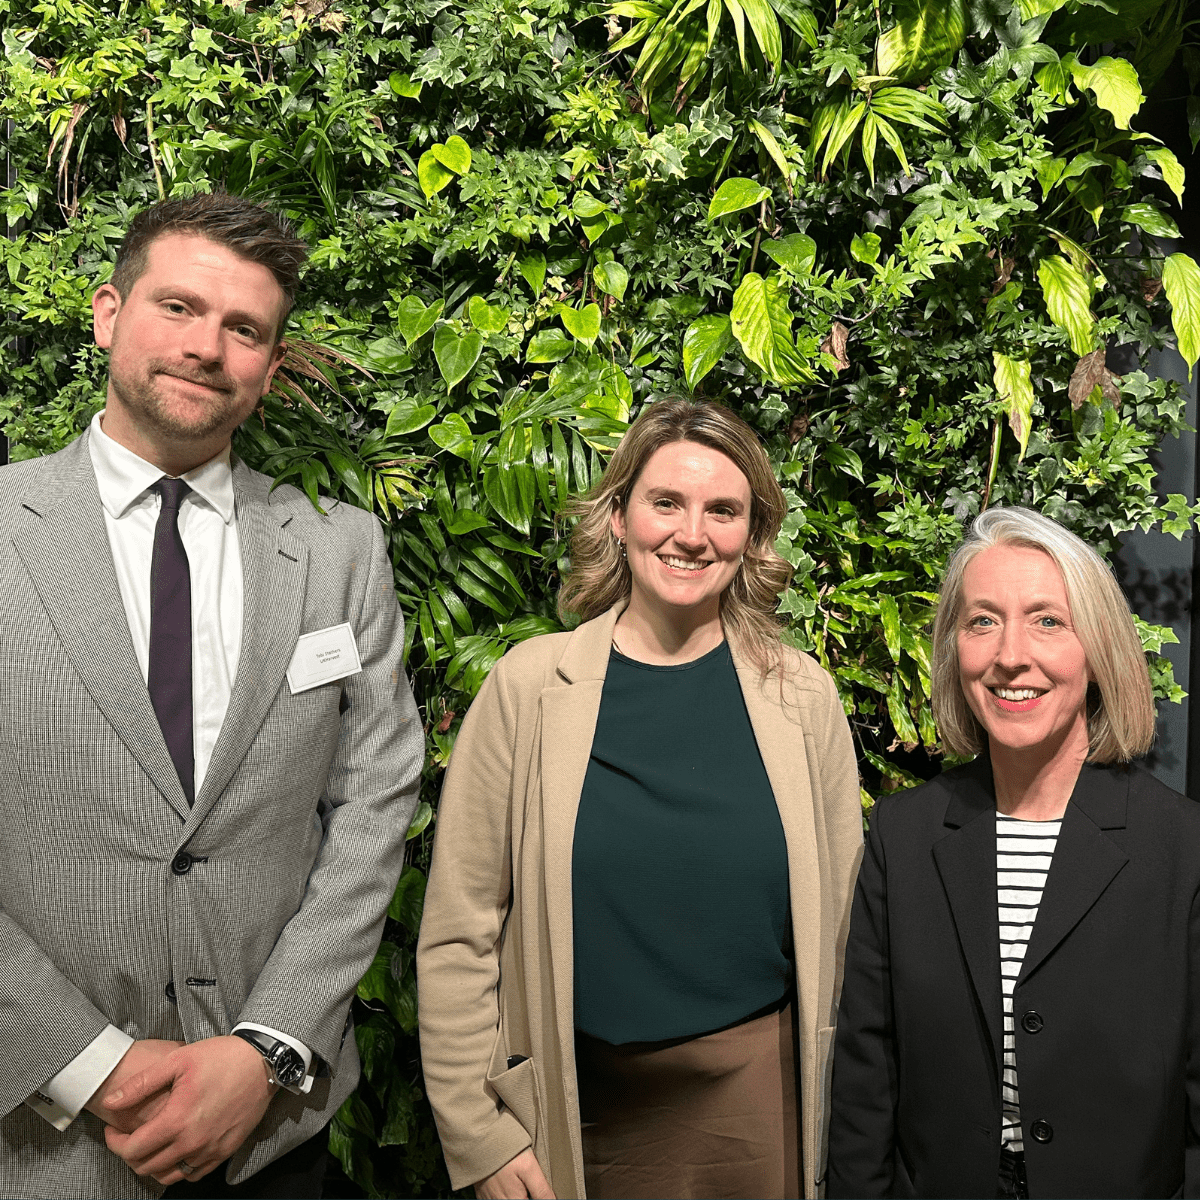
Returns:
(1110, 1063)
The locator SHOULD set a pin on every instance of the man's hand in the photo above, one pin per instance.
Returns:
(218, 1094)
(137, 1059)
(520, 1178)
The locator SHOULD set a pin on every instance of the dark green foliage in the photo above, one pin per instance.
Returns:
(896, 254)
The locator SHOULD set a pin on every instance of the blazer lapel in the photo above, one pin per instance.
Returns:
(1085, 861)
(966, 861)
(569, 712)
(274, 575)
(64, 547)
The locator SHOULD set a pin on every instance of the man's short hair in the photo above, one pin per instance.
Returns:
(250, 230)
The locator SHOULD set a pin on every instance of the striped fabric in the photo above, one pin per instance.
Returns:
(1024, 850)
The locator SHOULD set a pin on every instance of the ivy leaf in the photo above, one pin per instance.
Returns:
(487, 318)
(1181, 282)
(704, 343)
(928, 36)
(456, 354)
(1068, 297)
(432, 175)
(762, 323)
(1013, 385)
(533, 271)
(611, 277)
(734, 195)
(582, 324)
(797, 252)
(414, 320)
(455, 155)
(550, 345)
(1153, 220)
(453, 434)
(1114, 82)
(1172, 171)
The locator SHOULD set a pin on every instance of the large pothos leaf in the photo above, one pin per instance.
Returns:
(762, 323)
(703, 346)
(1181, 282)
(1015, 389)
(456, 354)
(734, 195)
(1114, 82)
(1068, 295)
(928, 35)
(1169, 165)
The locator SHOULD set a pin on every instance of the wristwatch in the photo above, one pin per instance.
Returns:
(286, 1066)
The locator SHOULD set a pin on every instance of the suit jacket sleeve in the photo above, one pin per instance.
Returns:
(458, 956)
(863, 1108)
(1191, 1162)
(306, 984)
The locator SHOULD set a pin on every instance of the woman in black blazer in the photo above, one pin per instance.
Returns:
(1021, 1007)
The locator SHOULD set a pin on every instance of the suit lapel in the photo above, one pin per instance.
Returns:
(569, 711)
(1085, 861)
(274, 575)
(966, 861)
(64, 547)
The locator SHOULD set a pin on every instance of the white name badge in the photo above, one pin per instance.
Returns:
(323, 656)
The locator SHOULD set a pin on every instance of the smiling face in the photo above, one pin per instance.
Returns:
(685, 527)
(1021, 665)
(192, 348)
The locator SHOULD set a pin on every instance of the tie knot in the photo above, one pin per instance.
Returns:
(172, 492)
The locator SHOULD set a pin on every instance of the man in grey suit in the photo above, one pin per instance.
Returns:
(209, 754)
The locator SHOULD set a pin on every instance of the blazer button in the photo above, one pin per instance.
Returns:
(182, 863)
(1042, 1131)
(1032, 1022)
(169, 992)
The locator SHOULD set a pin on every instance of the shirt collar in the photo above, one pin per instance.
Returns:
(123, 478)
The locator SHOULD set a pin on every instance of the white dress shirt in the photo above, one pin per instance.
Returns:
(208, 529)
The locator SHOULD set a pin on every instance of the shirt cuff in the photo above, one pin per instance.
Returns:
(61, 1100)
(305, 1085)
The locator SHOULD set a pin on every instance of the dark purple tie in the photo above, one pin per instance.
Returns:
(170, 673)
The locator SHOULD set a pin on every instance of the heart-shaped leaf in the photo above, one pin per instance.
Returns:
(533, 271)
(1115, 84)
(587, 207)
(612, 278)
(865, 248)
(455, 155)
(487, 318)
(408, 416)
(456, 354)
(387, 356)
(414, 320)
(403, 85)
(453, 434)
(703, 345)
(432, 175)
(734, 195)
(548, 346)
(582, 324)
(797, 252)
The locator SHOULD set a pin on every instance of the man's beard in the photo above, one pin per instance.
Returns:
(143, 397)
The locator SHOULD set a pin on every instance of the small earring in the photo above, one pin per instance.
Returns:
(621, 543)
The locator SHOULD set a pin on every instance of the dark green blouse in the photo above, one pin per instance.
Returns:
(680, 886)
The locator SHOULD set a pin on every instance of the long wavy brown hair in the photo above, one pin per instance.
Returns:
(599, 576)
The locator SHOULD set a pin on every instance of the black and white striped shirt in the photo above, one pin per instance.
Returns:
(1024, 850)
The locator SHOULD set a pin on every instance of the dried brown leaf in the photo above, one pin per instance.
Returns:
(835, 345)
(1004, 270)
(1150, 288)
(1090, 373)
(798, 427)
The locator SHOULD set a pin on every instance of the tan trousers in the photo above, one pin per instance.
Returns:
(714, 1116)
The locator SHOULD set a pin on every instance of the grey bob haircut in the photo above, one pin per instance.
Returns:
(1121, 711)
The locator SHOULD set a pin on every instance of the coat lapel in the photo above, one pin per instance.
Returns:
(966, 861)
(274, 575)
(1085, 861)
(569, 712)
(64, 547)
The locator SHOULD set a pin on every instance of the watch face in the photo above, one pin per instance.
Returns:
(287, 1065)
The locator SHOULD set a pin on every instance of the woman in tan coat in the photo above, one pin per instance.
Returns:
(647, 839)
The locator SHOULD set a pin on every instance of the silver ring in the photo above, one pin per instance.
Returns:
(185, 1167)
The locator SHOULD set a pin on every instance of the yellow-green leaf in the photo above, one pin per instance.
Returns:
(1068, 297)
(704, 343)
(734, 195)
(582, 324)
(1015, 389)
(1169, 165)
(929, 34)
(1114, 82)
(1181, 282)
(455, 155)
(432, 175)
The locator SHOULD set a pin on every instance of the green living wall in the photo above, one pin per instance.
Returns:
(915, 245)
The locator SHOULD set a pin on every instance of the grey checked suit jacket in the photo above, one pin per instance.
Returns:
(297, 833)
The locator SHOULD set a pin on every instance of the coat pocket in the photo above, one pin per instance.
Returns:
(514, 1080)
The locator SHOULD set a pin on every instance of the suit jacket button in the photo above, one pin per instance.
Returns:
(182, 863)
(169, 991)
(1042, 1131)
(1032, 1022)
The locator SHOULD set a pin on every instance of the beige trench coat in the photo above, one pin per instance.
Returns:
(494, 961)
